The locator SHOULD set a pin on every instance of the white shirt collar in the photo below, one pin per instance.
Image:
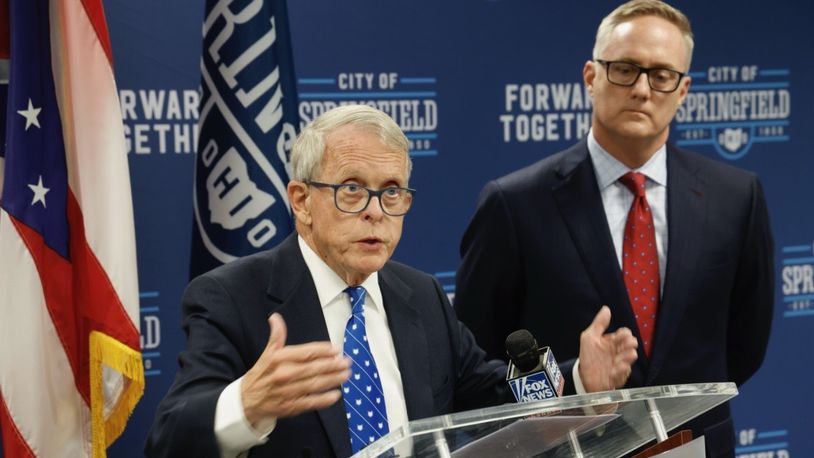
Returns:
(329, 285)
(608, 169)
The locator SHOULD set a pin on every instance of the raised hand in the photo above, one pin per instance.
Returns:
(605, 359)
(288, 380)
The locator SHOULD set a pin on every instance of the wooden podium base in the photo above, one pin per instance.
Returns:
(677, 439)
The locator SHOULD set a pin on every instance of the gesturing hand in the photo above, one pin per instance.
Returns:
(288, 380)
(605, 360)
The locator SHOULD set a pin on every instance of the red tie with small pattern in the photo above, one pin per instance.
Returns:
(640, 259)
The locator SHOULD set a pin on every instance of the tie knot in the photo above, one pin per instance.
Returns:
(635, 182)
(357, 298)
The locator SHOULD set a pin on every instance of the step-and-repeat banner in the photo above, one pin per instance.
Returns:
(484, 87)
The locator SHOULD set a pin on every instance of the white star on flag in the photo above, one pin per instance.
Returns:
(30, 115)
(39, 192)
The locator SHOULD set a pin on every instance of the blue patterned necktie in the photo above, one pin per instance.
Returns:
(363, 394)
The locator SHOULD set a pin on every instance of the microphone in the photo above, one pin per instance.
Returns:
(533, 374)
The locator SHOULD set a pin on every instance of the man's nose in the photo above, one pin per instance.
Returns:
(641, 87)
(374, 208)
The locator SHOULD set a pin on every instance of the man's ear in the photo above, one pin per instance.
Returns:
(684, 88)
(588, 75)
(300, 199)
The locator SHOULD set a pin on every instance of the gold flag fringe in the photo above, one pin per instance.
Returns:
(118, 356)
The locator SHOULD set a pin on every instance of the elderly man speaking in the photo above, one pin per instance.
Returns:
(367, 344)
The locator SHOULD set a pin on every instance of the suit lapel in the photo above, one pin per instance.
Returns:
(685, 221)
(580, 203)
(294, 296)
(410, 342)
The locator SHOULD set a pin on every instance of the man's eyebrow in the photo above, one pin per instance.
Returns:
(639, 63)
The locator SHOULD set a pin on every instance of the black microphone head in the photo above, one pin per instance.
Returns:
(522, 350)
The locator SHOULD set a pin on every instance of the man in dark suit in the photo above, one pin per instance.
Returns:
(249, 382)
(551, 243)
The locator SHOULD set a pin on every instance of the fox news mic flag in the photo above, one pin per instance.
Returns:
(247, 124)
(70, 361)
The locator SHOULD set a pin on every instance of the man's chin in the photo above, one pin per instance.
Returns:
(369, 263)
(637, 130)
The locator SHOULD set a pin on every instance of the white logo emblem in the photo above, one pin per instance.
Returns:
(233, 197)
(733, 139)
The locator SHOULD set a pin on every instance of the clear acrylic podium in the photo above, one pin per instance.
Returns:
(606, 424)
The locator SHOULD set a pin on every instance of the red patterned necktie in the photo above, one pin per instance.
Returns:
(640, 260)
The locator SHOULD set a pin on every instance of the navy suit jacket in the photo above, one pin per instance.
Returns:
(225, 313)
(538, 254)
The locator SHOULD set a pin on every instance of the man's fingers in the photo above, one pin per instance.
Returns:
(622, 339)
(626, 357)
(622, 334)
(322, 400)
(295, 406)
(307, 352)
(323, 382)
(297, 372)
(601, 321)
(292, 386)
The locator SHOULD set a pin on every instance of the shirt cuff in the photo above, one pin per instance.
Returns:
(580, 389)
(233, 432)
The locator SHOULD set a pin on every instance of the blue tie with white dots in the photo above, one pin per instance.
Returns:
(363, 394)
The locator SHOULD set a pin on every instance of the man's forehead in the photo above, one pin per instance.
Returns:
(363, 153)
(647, 40)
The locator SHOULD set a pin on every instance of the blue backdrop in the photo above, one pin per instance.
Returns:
(483, 87)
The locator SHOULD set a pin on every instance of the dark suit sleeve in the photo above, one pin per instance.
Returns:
(184, 423)
(753, 293)
(478, 382)
(489, 280)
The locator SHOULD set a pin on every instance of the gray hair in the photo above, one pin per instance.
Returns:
(309, 148)
(639, 8)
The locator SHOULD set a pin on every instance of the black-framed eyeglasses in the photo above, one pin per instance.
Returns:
(354, 198)
(626, 74)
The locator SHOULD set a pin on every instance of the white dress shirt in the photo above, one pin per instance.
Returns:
(617, 199)
(234, 434)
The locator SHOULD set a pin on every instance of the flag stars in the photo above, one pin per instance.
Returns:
(30, 114)
(39, 192)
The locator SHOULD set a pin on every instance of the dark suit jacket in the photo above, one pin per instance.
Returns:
(225, 313)
(538, 254)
